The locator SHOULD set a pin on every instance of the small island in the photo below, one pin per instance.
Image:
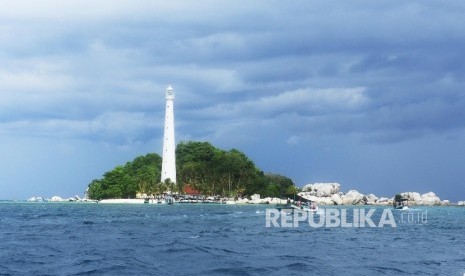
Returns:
(201, 169)
(211, 174)
(208, 174)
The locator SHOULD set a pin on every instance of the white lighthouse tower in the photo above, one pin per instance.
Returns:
(168, 168)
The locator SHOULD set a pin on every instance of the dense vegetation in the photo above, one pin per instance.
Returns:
(210, 170)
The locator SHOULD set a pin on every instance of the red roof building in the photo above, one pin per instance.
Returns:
(189, 190)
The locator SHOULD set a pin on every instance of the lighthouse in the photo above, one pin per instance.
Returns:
(168, 168)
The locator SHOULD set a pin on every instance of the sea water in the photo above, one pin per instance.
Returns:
(99, 239)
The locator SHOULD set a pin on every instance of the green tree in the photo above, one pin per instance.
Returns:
(208, 169)
(140, 175)
(281, 186)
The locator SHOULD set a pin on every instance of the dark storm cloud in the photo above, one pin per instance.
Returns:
(288, 73)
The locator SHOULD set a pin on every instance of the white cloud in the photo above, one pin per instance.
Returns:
(308, 101)
(110, 127)
(34, 77)
(294, 140)
(87, 10)
(314, 100)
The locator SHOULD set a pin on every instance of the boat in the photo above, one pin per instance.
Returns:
(169, 200)
(163, 199)
(309, 206)
(401, 204)
(301, 203)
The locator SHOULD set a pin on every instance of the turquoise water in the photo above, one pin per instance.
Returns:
(97, 239)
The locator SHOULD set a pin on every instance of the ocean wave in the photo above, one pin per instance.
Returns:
(231, 240)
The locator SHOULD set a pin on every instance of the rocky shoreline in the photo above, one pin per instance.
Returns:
(330, 194)
(321, 193)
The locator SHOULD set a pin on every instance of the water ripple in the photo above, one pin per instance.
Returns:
(92, 239)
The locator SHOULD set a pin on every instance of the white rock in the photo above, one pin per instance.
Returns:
(269, 200)
(317, 199)
(430, 194)
(255, 197)
(243, 200)
(329, 193)
(430, 199)
(352, 197)
(322, 189)
(384, 201)
(371, 199)
(307, 195)
(279, 201)
(56, 199)
(325, 201)
(412, 197)
(307, 188)
(336, 198)
(36, 199)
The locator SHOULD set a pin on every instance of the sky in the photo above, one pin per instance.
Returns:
(369, 94)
